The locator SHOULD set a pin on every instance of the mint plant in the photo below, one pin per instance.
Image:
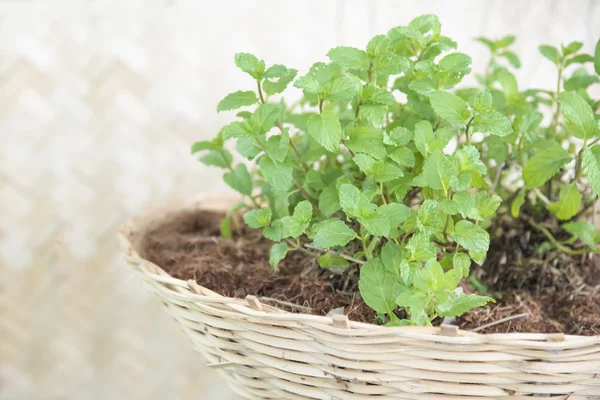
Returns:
(550, 169)
(383, 165)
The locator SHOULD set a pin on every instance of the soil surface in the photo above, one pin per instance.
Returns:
(559, 293)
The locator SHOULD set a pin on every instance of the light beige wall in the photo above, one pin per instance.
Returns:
(99, 102)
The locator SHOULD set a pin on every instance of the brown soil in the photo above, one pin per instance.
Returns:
(188, 245)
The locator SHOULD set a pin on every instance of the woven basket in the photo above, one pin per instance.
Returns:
(267, 353)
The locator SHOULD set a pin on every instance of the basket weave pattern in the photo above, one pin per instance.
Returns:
(267, 353)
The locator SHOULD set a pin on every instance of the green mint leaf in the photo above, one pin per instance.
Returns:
(463, 181)
(442, 137)
(395, 214)
(278, 200)
(343, 89)
(263, 119)
(470, 236)
(349, 57)
(353, 202)
(512, 58)
(450, 107)
(415, 303)
(428, 216)
(409, 270)
(290, 227)
(296, 225)
(372, 94)
(551, 53)
(450, 207)
(423, 137)
(258, 218)
(385, 172)
(332, 262)
(458, 304)
(580, 80)
(462, 263)
(568, 205)
(303, 212)
(389, 64)
(278, 146)
(237, 130)
(579, 59)
(239, 180)
(203, 145)
(508, 82)
(420, 247)
(437, 172)
(489, 43)
(430, 278)
(329, 201)
(314, 180)
(365, 138)
(486, 204)
(379, 170)
(469, 160)
(248, 148)
(455, 63)
(278, 253)
(283, 76)
(243, 114)
(591, 162)
(309, 84)
(326, 130)
(399, 136)
(278, 174)
(333, 232)
(597, 58)
(235, 100)
(392, 256)
(465, 204)
(497, 148)
(401, 33)
(492, 122)
(250, 64)
(543, 165)
(585, 232)
(379, 45)
(403, 156)
(482, 101)
(376, 224)
(221, 158)
(373, 113)
(275, 231)
(515, 207)
(505, 41)
(423, 86)
(571, 48)
(378, 287)
(365, 163)
(478, 206)
(427, 23)
(478, 256)
(579, 117)
(400, 187)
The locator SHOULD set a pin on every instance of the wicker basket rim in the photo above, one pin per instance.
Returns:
(249, 307)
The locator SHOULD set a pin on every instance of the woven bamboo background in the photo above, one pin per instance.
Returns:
(99, 101)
